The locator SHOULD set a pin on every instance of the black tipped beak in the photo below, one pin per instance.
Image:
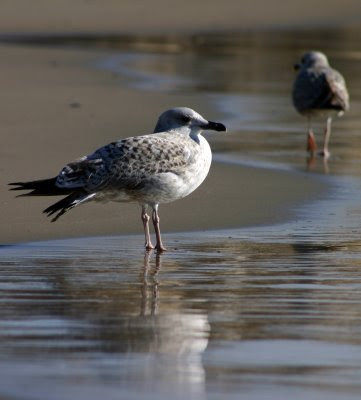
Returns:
(215, 126)
(296, 67)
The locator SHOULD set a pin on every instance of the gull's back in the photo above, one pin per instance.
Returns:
(318, 87)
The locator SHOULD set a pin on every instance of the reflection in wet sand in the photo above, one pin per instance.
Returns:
(105, 319)
(150, 275)
(225, 312)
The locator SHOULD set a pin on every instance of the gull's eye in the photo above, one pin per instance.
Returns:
(186, 119)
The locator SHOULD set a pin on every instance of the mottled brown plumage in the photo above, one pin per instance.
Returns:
(319, 90)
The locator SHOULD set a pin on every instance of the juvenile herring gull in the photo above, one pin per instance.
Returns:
(150, 169)
(319, 90)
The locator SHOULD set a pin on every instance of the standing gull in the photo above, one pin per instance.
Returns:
(319, 90)
(152, 169)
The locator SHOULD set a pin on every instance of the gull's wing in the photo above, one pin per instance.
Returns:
(340, 97)
(127, 163)
(317, 88)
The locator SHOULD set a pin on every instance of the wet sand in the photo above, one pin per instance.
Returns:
(173, 17)
(56, 106)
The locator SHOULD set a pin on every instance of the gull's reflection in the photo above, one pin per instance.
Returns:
(176, 340)
(311, 163)
(121, 318)
(149, 286)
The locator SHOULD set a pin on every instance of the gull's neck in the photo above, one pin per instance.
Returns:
(193, 132)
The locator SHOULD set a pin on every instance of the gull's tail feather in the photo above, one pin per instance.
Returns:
(43, 187)
(47, 187)
(62, 206)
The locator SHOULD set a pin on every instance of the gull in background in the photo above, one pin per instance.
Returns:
(161, 167)
(319, 91)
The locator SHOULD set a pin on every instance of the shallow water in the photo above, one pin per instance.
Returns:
(264, 313)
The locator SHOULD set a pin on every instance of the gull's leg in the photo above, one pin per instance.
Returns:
(311, 141)
(155, 217)
(145, 220)
(325, 153)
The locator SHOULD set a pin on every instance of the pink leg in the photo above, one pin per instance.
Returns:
(159, 246)
(145, 220)
(311, 141)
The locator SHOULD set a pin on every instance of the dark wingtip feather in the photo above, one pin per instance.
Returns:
(47, 187)
(62, 206)
(52, 210)
(19, 184)
(58, 215)
(42, 187)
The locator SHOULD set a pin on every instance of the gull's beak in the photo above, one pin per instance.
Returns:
(215, 126)
(296, 67)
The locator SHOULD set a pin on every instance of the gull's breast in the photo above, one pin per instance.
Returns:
(175, 184)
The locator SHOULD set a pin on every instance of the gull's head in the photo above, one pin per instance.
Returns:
(312, 59)
(183, 118)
